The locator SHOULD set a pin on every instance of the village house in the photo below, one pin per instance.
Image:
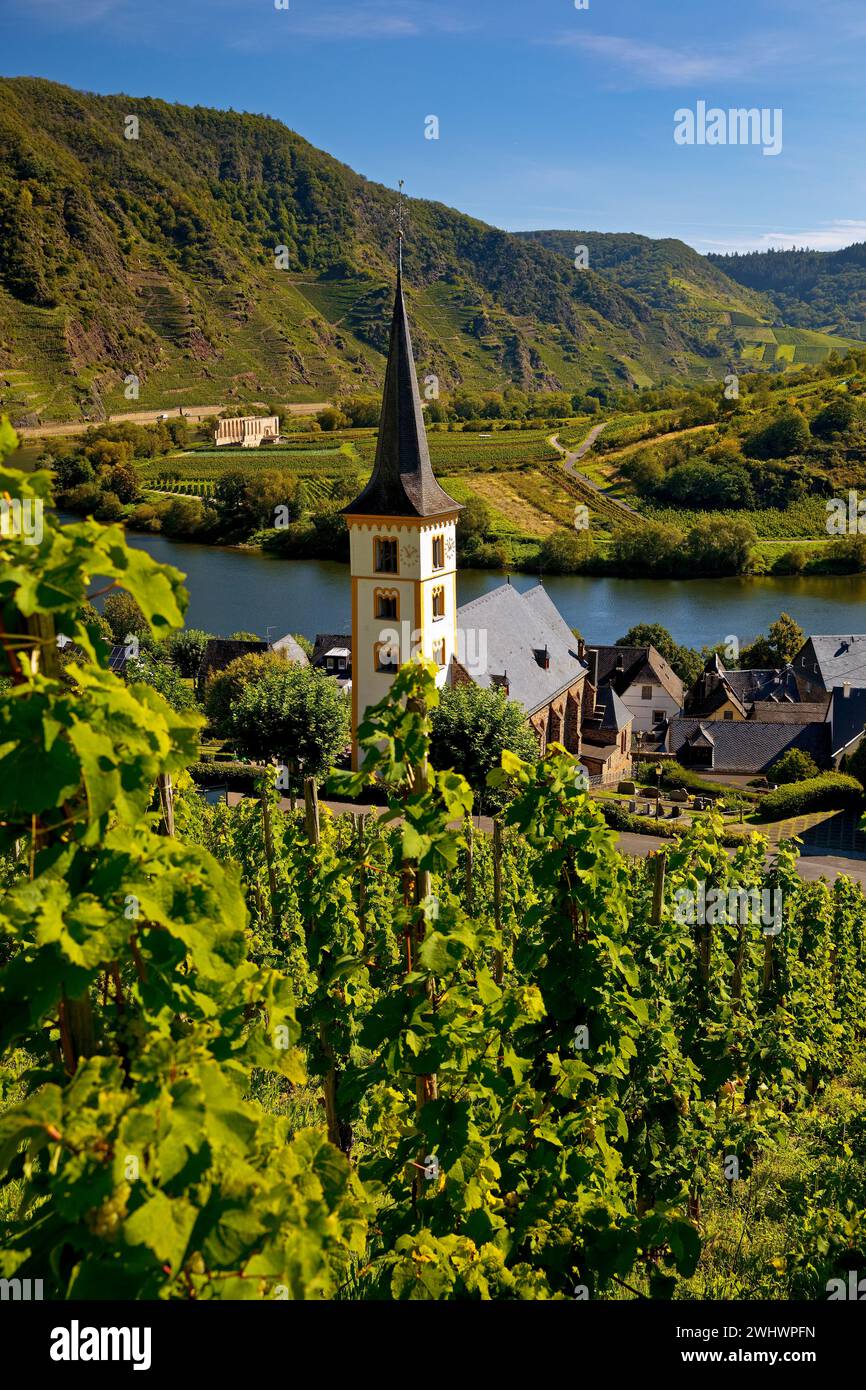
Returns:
(753, 694)
(825, 662)
(646, 684)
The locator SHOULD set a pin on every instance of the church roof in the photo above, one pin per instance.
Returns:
(402, 482)
(527, 641)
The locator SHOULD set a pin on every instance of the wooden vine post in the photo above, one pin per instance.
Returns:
(660, 865)
(499, 958)
(269, 853)
(362, 874)
(426, 1086)
(312, 831)
(470, 854)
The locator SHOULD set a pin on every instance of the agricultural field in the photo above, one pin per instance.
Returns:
(801, 521)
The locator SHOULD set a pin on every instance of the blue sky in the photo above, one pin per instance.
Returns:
(549, 116)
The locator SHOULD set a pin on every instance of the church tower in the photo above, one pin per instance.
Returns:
(403, 543)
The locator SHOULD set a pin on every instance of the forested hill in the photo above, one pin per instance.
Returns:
(155, 256)
(666, 273)
(814, 289)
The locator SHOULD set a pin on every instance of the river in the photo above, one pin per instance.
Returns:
(237, 590)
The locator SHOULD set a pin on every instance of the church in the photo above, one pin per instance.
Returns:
(403, 553)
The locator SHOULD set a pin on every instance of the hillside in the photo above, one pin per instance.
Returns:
(739, 314)
(811, 289)
(155, 256)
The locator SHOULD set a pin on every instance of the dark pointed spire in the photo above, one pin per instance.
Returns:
(402, 482)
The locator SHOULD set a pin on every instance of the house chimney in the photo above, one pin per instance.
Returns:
(620, 663)
(593, 666)
(846, 689)
(581, 648)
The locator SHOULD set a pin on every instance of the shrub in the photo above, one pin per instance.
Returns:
(794, 766)
(833, 791)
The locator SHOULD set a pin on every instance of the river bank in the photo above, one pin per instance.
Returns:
(247, 590)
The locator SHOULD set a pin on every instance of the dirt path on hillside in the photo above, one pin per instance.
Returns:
(570, 458)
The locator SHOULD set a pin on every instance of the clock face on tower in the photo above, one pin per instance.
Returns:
(409, 554)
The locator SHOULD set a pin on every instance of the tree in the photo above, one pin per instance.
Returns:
(362, 411)
(784, 639)
(184, 516)
(124, 616)
(787, 434)
(186, 649)
(837, 417)
(332, 419)
(651, 548)
(471, 728)
(706, 485)
(720, 547)
(267, 491)
(163, 677)
(224, 688)
(231, 489)
(296, 716)
(475, 521)
(110, 507)
(793, 766)
(123, 480)
(565, 552)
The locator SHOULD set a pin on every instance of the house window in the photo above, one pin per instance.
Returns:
(439, 651)
(439, 601)
(385, 657)
(387, 604)
(438, 552)
(728, 714)
(622, 740)
(646, 692)
(658, 716)
(386, 555)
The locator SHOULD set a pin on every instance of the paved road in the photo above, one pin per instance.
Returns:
(811, 865)
(570, 458)
(143, 417)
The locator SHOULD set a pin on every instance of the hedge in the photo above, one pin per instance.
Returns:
(675, 775)
(230, 774)
(833, 791)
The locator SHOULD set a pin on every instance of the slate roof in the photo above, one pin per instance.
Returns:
(291, 649)
(640, 665)
(799, 713)
(847, 718)
(838, 658)
(402, 482)
(751, 691)
(749, 745)
(325, 641)
(517, 626)
(615, 716)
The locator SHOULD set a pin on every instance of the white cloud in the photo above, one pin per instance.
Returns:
(831, 236)
(656, 65)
